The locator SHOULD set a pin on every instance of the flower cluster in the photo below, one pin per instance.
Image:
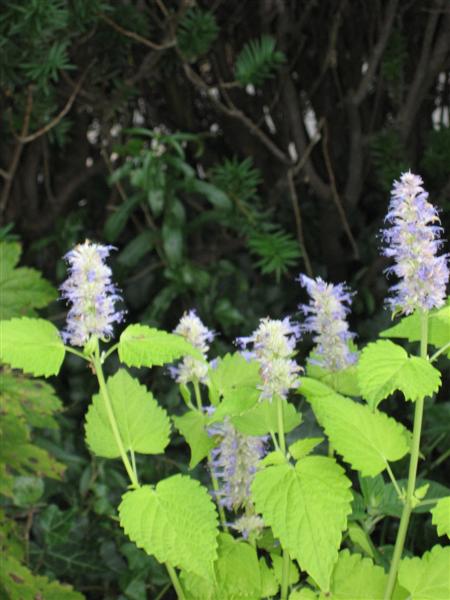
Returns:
(91, 294)
(413, 241)
(273, 345)
(192, 329)
(326, 318)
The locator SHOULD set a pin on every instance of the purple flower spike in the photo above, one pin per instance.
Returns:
(196, 333)
(273, 345)
(413, 241)
(234, 463)
(326, 318)
(91, 293)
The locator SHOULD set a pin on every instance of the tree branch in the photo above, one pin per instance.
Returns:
(298, 221)
(136, 37)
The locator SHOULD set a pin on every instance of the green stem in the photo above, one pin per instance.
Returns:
(110, 351)
(112, 419)
(133, 463)
(76, 352)
(282, 443)
(414, 460)
(215, 483)
(439, 352)
(175, 582)
(394, 481)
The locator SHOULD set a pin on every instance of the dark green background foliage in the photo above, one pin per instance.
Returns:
(186, 135)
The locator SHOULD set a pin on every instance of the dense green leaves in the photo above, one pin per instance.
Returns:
(192, 427)
(366, 439)
(143, 425)
(262, 418)
(176, 522)
(258, 61)
(307, 507)
(385, 367)
(234, 380)
(357, 578)
(33, 345)
(196, 32)
(140, 345)
(441, 516)
(427, 578)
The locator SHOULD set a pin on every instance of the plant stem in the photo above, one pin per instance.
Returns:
(76, 352)
(112, 419)
(439, 352)
(394, 481)
(282, 444)
(215, 483)
(175, 582)
(414, 460)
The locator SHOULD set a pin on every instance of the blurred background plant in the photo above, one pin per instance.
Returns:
(222, 148)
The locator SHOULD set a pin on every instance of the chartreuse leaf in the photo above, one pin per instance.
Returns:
(391, 504)
(344, 381)
(427, 578)
(357, 578)
(385, 367)
(263, 418)
(303, 447)
(192, 427)
(441, 516)
(140, 345)
(367, 440)
(269, 583)
(306, 506)
(410, 327)
(17, 582)
(33, 345)
(277, 565)
(303, 594)
(143, 425)
(176, 522)
(234, 377)
(21, 289)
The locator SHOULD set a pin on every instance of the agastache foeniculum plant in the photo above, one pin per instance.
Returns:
(263, 510)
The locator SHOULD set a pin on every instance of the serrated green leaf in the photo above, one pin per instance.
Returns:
(176, 522)
(357, 578)
(344, 382)
(19, 583)
(441, 516)
(360, 538)
(21, 289)
(427, 578)
(303, 594)
(367, 440)
(143, 346)
(233, 375)
(277, 565)
(269, 583)
(410, 327)
(143, 425)
(307, 508)
(33, 345)
(273, 458)
(263, 418)
(385, 367)
(237, 569)
(391, 504)
(303, 447)
(192, 427)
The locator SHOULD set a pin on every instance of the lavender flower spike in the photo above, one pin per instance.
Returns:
(234, 463)
(273, 345)
(326, 318)
(413, 241)
(196, 333)
(91, 293)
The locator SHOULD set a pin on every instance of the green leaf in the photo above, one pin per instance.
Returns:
(176, 522)
(135, 250)
(233, 374)
(427, 578)
(143, 425)
(367, 440)
(33, 345)
(217, 197)
(360, 539)
(258, 61)
(307, 508)
(22, 289)
(344, 382)
(192, 427)
(19, 583)
(385, 367)
(141, 345)
(277, 564)
(441, 516)
(263, 418)
(196, 32)
(237, 569)
(303, 447)
(410, 327)
(357, 578)
(392, 506)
